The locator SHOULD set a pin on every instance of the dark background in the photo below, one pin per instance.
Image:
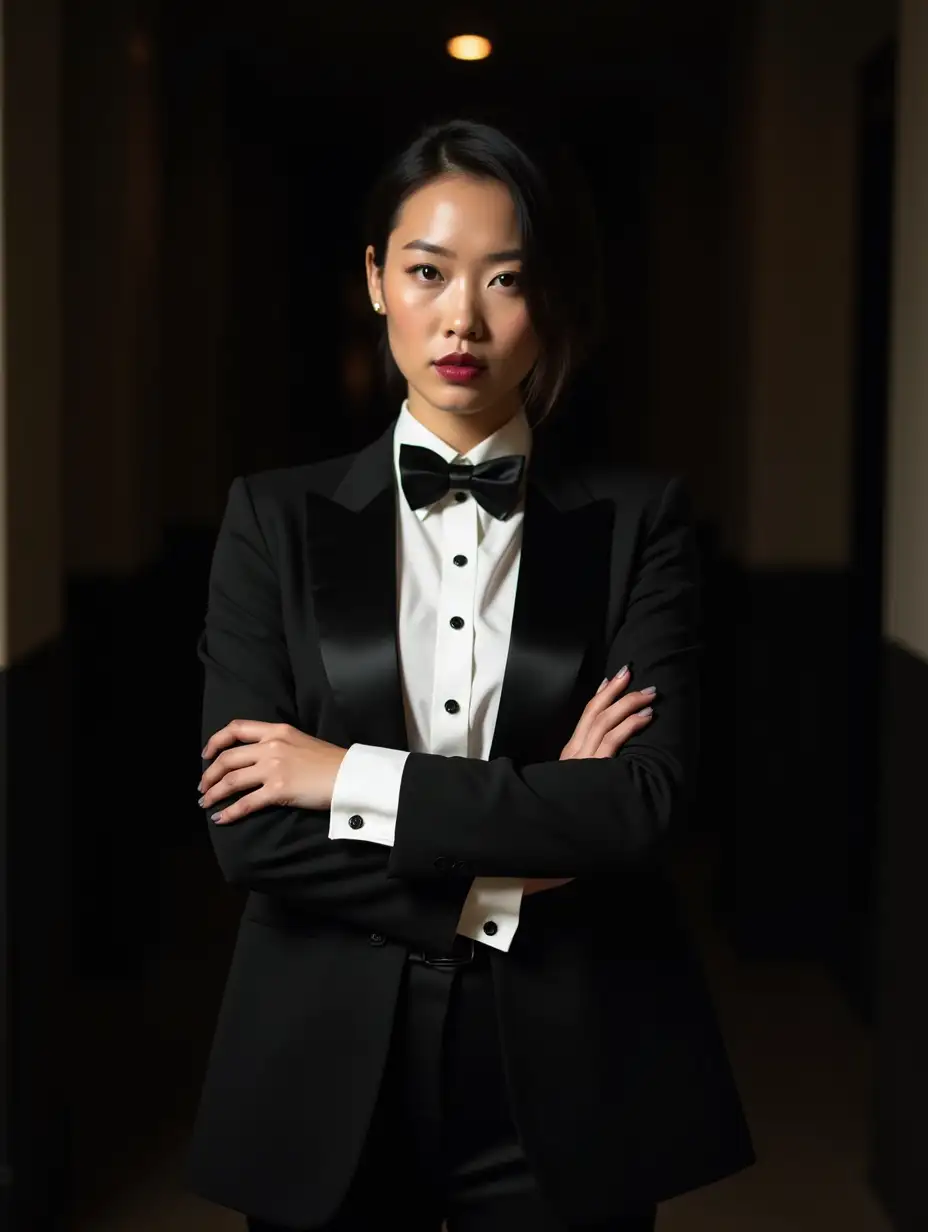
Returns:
(271, 122)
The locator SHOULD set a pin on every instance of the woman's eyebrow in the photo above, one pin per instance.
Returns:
(508, 254)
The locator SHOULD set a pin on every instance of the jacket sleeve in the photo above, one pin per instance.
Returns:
(368, 784)
(578, 818)
(286, 852)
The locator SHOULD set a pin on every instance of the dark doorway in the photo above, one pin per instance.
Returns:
(876, 141)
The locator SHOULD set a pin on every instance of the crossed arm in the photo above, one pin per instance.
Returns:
(574, 817)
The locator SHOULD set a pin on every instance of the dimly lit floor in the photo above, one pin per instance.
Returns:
(802, 1060)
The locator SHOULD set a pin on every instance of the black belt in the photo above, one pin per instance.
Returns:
(464, 953)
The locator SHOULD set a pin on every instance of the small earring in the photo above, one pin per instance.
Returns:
(377, 306)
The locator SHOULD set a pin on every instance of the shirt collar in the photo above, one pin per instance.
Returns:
(514, 436)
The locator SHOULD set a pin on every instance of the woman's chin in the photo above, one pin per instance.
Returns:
(460, 398)
(471, 399)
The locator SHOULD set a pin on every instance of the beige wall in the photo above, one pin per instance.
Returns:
(752, 282)
(79, 381)
(801, 168)
(30, 549)
(906, 596)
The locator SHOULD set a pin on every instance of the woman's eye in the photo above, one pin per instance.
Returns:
(509, 280)
(428, 272)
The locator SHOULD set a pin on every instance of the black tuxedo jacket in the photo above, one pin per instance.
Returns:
(618, 1077)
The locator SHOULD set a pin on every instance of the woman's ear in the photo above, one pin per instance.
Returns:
(374, 279)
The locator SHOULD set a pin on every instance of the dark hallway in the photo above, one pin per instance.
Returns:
(205, 168)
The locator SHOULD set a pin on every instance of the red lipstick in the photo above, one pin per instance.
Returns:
(459, 367)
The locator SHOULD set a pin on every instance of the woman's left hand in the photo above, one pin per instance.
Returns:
(284, 765)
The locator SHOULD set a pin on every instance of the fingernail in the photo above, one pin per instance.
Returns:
(216, 817)
(650, 689)
(620, 672)
(200, 801)
(603, 685)
(646, 711)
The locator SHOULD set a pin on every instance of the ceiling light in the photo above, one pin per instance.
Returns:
(469, 47)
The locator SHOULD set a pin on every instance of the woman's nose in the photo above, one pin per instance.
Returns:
(464, 318)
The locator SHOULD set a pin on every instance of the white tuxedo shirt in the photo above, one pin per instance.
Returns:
(454, 560)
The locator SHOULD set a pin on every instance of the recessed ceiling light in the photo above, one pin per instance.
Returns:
(469, 47)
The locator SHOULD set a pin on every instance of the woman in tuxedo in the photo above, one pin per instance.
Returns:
(450, 717)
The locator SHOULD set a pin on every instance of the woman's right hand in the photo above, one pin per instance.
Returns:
(608, 720)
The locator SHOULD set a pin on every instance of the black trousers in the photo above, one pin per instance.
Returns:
(442, 1144)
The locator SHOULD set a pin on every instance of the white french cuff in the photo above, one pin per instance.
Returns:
(366, 794)
(491, 911)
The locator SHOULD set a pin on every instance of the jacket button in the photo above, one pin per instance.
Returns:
(456, 622)
(377, 939)
(491, 928)
(452, 706)
(460, 561)
(444, 864)
(356, 822)
(462, 866)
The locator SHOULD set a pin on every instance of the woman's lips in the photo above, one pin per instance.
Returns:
(458, 374)
(459, 370)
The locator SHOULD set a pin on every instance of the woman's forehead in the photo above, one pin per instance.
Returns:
(460, 213)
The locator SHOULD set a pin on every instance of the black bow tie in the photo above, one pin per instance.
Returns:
(426, 477)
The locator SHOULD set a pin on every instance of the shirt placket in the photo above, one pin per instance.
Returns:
(454, 641)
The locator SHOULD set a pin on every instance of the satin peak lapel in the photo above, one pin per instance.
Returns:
(560, 605)
(352, 547)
